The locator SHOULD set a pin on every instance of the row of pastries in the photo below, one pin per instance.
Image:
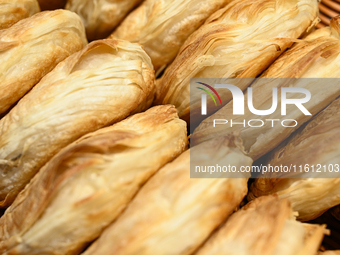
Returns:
(94, 149)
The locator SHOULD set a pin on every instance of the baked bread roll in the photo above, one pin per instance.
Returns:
(11, 11)
(162, 26)
(315, 57)
(316, 144)
(100, 17)
(173, 213)
(238, 41)
(51, 4)
(329, 253)
(100, 85)
(89, 183)
(33, 47)
(265, 226)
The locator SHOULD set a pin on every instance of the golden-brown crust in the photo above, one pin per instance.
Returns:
(33, 47)
(100, 17)
(150, 139)
(314, 144)
(83, 93)
(172, 206)
(265, 226)
(161, 27)
(296, 61)
(238, 41)
(314, 57)
(12, 11)
(335, 26)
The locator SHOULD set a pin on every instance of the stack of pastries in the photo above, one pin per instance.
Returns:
(95, 144)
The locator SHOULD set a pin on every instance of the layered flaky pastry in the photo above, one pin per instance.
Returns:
(102, 84)
(173, 213)
(51, 4)
(89, 183)
(265, 226)
(11, 11)
(238, 41)
(316, 145)
(316, 57)
(163, 26)
(33, 47)
(100, 17)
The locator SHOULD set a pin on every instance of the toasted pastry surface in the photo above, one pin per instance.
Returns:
(173, 213)
(12, 11)
(89, 183)
(162, 26)
(238, 41)
(33, 47)
(317, 57)
(265, 226)
(317, 146)
(100, 85)
(100, 17)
